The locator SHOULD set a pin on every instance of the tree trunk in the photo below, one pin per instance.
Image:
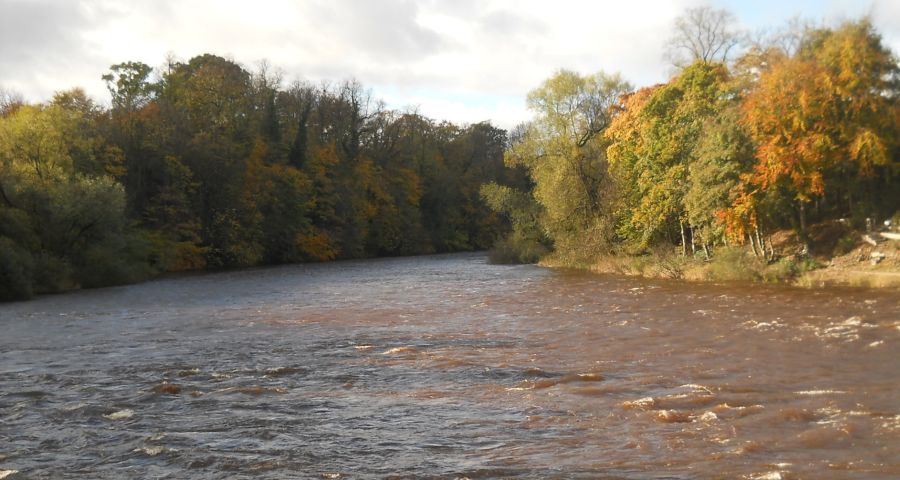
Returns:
(4, 197)
(759, 242)
(683, 239)
(752, 245)
(693, 244)
(803, 217)
(803, 234)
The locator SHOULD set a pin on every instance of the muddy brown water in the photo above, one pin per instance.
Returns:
(447, 367)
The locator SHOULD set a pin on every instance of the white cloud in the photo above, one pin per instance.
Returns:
(461, 60)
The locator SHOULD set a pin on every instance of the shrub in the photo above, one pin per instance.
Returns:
(516, 249)
(789, 268)
(734, 264)
(846, 244)
(16, 272)
(115, 262)
(52, 274)
(781, 271)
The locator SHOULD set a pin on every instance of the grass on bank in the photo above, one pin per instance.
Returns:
(731, 264)
(839, 257)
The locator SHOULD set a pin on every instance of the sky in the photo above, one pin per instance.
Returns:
(460, 60)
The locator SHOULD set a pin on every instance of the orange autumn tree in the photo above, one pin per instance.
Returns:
(822, 122)
(865, 79)
(790, 115)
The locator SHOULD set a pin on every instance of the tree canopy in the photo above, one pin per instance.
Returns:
(204, 164)
(743, 140)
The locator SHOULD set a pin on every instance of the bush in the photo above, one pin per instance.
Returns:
(789, 268)
(781, 271)
(16, 272)
(734, 264)
(846, 244)
(52, 274)
(115, 262)
(671, 267)
(516, 249)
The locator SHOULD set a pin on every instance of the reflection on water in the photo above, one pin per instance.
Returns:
(445, 366)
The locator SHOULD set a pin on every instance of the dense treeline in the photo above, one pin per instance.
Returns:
(803, 126)
(203, 164)
(206, 165)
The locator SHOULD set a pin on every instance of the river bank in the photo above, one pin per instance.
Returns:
(844, 261)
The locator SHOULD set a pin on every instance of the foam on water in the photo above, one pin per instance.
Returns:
(120, 415)
(446, 367)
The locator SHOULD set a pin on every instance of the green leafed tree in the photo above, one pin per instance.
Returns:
(565, 155)
(725, 150)
(655, 141)
(69, 229)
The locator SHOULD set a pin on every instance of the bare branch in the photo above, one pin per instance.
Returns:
(703, 34)
(9, 101)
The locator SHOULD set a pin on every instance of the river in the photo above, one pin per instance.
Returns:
(448, 367)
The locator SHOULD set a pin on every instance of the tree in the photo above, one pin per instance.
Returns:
(566, 156)
(220, 168)
(278, 198)
(654, 146)
(864, 77)
(133, 112)
(33, 143)
(129, 84)
(10, 100)
(790, 115)
(526, 242)
(703, 34)
(723, 153)
(474, 156)
(169, 214)
(216, 95)
(69, 228)
(82, 125)
(823, 123)
(300, 100)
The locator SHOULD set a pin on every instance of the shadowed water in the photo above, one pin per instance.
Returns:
(445, 366)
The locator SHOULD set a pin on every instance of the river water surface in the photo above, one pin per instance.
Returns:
(448, 367)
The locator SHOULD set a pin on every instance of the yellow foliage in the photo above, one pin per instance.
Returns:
(867, 149)
(317, 246)
(32, 142)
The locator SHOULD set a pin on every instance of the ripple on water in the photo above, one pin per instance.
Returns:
(255, 390)
(374, 369)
